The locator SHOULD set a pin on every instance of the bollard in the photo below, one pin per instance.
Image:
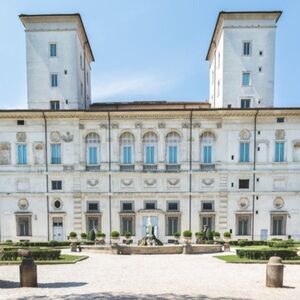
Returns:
(28, 270)
(226, 247)
(73, 246)
(274, 274)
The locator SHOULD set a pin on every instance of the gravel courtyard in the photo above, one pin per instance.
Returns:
(104, 276)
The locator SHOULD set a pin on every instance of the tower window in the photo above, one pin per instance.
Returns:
(280, 120)
(20, 122)
(54, 80)
(245, 103)
(53, 50)
(246, 79)
(56, 185)
(54, 105)
(246, 48)
(244, 184)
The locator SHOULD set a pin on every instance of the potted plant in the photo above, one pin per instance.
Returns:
(187, 235)
(115, 237)
(200, 235)
(177, 237)
(216, 235)
(100, 237)
(73, 239)
(83, 236)
(227, 236)
(73, 236)
(127, 237)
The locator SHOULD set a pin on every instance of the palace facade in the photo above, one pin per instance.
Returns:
(232, 163)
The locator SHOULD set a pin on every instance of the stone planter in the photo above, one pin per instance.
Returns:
(100, 240)
(115, 241)
(187, 240)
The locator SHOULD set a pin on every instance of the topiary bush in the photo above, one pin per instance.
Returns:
(127, 234)
(115, 234)
(73, 235)
(83, 235)
(187, 234)
(100, 234)
(265, 254)
(200, 234)
(36, 254)
(91, 235)
(177, 235)
(216, 234)
(227, 235)
(208, 235)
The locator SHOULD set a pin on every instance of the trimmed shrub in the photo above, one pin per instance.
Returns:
(265, 254)
(91, 235)
(209, 242)
(115, 234)
(127, 235)
(209, 235)
(83, 235)
(41, 244)
(216, 234)
(36, 254)
(73, 235)
(227, 235)
(187, 234)
(200, 234)
(281, 244)
(177, 235)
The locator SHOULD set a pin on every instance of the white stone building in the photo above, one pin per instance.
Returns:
(66, 164)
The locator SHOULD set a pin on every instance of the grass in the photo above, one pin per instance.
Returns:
(234, 259)
(64, 259)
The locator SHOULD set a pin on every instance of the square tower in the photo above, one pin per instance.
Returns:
(59, 60)
(242, 58)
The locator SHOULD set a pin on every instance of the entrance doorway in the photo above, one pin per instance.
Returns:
(154, 222)
(57, 229)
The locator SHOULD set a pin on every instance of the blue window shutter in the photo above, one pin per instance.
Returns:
(173, 155)
(207, 154)
(279, 152)
(127, 155)
(93, 157)
(22, 154)
(242, 152)
(246, 152)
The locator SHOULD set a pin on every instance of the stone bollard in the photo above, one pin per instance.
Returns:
(187, 248)
(28, 270)
(115, 249)
(274, 274)
(73, 246)
(226, 247)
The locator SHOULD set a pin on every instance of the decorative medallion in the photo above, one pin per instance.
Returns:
(127, 182)
(92, 182)
(173, 181)
(197, 125)
(243, 203)
(81, 126)
(103, 126)
(138, 125)
(219, 125)
(278, 202)
(115, 125)
(161, 125)
(208, 181)
(245, 135)
(279, 134)
(39, 146)
(185, 125)
(55, 136)
(150, 182)
(21, 137)
(68, 137)
(57, 203)
(23, 204)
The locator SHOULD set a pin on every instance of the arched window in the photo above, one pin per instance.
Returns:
(150, 148)
(173, 147)
(127, 148)
(92, 141)
(244, 145)
(207, 141)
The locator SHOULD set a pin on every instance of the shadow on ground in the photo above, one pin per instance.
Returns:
(4, 284)
(104, 296)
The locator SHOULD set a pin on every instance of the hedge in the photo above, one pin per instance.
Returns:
(38, 244)
(36, 254)
(245, 242)
(265, 254)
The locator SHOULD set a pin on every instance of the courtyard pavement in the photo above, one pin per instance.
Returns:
(104, 276)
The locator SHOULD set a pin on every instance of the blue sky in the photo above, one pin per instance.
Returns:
(147, 49)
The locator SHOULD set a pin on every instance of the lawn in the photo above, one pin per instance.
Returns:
(234, 259)
(64, 259)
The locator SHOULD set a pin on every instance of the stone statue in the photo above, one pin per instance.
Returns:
(149, 228)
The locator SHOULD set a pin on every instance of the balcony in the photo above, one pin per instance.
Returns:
(207, 167)
(173, 168)
(149, 168)
(127, 168)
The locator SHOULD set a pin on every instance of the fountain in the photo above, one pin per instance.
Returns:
(150, 239)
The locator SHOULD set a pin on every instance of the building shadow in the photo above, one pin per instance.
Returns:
(55, 285)
(5, 284)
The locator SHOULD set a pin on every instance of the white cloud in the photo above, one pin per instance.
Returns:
(112, 87)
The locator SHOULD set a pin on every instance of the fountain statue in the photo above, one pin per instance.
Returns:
(149, 228)
(150, 239)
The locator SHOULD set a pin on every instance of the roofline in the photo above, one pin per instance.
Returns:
(63, 15)
(279, 12)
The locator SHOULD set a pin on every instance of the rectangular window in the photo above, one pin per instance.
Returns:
(243, 225)
(244, 152)
(279, 151)
(93, 223)
(278, 224)
(207, 206)
(54, 80)
(173, 225)
(22, 154)
(54, 105)
(173, 206)
(207, 157)
(93, 155)
(56, 185)
(172, 155)
(53, 51)
(208, 221)
(23, 225)
(244, 184)
(20, 122)
(56, 154)
(93, 206)
(127, 159)
(126, 206)
(150, 155)
(246, 79)
(150, 204)
(127, 225)
(245, 103)
(246, 48)
(280, 120)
